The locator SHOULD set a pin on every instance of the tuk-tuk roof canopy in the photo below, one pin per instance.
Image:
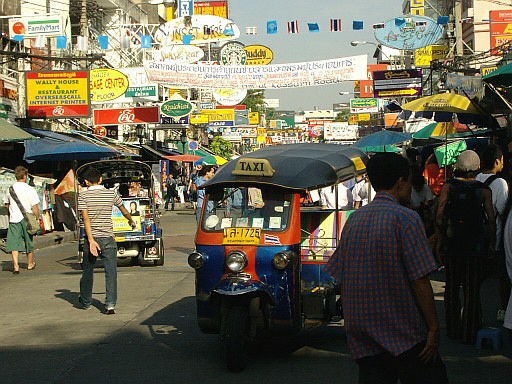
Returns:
(119, 170)
(305, 166)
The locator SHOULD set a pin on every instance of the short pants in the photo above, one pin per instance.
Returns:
(18, 238)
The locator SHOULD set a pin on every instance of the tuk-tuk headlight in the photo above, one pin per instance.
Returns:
(236, 261)
(196, 260)
(282, 260)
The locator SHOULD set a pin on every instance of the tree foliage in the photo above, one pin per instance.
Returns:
(221, 147)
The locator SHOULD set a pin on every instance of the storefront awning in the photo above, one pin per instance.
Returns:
(9, 132)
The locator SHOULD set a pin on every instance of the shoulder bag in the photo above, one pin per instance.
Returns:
(33, 225)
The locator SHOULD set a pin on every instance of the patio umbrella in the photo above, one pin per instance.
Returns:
(211, 160)
(381, 138)
(435, 130)
(380, 148)
(443, 102)
(185, 158)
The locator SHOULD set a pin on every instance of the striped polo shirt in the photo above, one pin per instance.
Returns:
(98, 202)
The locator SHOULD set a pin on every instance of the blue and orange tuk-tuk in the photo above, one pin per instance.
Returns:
(259, 266)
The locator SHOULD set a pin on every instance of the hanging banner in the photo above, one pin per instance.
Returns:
(57, 94)
(273, 76)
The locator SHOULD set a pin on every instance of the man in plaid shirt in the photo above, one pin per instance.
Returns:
(383, 263)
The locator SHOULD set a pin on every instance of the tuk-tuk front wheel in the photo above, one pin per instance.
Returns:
(236, 338)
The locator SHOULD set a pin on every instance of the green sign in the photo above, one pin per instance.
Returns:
(367, 105)
(141, 91)
(448, 154)
(176, 108)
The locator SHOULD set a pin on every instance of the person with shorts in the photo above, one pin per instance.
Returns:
(18, 239)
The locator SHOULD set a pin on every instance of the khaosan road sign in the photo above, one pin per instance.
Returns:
(397, 83)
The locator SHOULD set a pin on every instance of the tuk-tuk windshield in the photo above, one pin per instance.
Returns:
(265, 208)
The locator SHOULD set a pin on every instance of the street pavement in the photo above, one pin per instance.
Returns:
(153, 337)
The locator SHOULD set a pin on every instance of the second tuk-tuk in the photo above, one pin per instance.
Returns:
(143, 244)
(259, 254)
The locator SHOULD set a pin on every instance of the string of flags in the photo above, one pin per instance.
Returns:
(335, 25)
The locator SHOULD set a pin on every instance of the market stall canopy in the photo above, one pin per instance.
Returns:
(184, 158)
(500, 77)
(9, 132)
(442, 102)
(381, 138)
(211, 160)
(57, 147)
(435, 130)
(305, 166)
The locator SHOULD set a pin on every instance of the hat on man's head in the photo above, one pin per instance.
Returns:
(468, 161)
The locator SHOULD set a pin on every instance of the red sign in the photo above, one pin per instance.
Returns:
(500, 29)
(366, 86)
(238, 107)
(137, 115)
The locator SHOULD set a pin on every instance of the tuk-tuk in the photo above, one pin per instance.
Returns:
(259, 268)
(144, 244)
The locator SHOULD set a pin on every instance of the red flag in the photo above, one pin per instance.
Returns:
(293, 26)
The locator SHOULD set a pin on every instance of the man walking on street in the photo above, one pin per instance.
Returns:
(95, 205)
(18, 239)
(382, 264)
(491, 163)
(172, 188)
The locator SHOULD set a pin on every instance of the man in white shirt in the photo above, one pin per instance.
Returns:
(18, 239)
(328, 197)
(491, 162)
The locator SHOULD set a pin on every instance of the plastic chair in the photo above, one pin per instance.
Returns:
(493, 334)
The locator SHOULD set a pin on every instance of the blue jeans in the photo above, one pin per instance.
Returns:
(108, 254)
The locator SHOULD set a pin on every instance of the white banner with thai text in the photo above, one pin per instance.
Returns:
(273, 76)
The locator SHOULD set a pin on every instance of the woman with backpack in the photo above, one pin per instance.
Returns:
(466, 228)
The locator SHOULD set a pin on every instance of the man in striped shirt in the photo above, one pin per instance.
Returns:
(95, 205)
(382, 263)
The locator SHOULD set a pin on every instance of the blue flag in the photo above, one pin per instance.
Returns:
(271, 27)
(145, 41)
(102, 40)
(313, 27)
(61, 42)
(442, 20)
(357, 25)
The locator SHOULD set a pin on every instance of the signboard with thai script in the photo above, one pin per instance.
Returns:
(272, 76)
(500, 29)
(370, 105)
(33, 26)
(57, 94)
(409, 32)
(135, 115)
(397, 83)
(197, 29)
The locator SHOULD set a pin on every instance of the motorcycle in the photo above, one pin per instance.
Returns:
(259, 257)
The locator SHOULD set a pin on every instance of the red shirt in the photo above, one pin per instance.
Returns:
(435, 177)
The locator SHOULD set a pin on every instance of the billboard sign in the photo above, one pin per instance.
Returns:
(135, 115)
(500, 29)
(424, 56)
(258, 55)
(57, 94)
(33, 26)
(397, 83)
(370, 105)
(409, 32)
(366, 86)
(107, 84)
(213, 8)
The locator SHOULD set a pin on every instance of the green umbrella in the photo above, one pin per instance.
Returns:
(501, 76)
(380, 148)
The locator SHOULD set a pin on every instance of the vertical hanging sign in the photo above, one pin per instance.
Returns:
(185, 8)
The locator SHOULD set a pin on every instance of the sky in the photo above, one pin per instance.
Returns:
(311, 46)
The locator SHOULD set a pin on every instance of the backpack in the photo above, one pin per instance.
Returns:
(465, 218)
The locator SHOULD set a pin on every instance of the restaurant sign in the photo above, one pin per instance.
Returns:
(135, 115)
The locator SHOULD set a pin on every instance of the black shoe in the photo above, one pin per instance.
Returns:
(110, 311)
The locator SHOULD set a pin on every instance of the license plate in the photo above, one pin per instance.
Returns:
(249, 236)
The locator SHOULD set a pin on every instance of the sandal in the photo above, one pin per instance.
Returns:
(32, 266)
(16, 272)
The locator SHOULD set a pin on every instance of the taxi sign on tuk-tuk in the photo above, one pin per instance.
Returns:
(253, 167)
